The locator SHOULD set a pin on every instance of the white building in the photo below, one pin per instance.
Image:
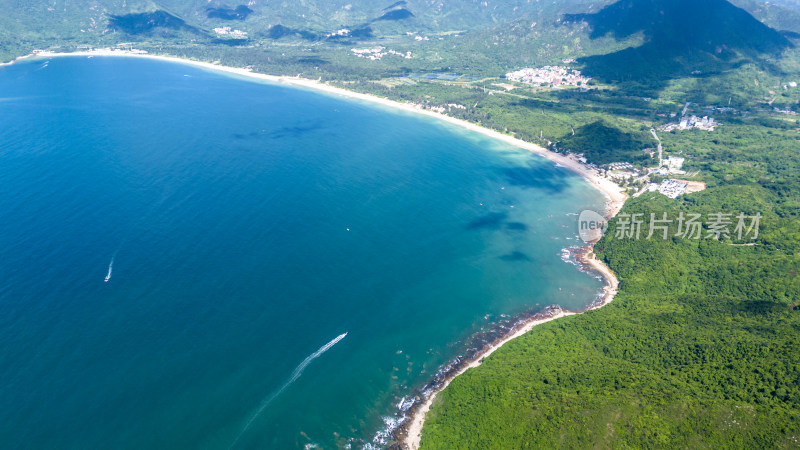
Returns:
(552, 76)
(672, 188)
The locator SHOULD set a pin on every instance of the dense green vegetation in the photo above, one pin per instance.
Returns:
(239, 13)
(679, 37)
(699, 347)
(145, 23)
(603, 143)
(697, 350)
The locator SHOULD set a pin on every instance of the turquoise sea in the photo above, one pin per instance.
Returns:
(250, 226)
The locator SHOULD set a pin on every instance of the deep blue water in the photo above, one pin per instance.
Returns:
(250, 224)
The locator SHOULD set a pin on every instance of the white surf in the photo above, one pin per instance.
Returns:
(110, 266)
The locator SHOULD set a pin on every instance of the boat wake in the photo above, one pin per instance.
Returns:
(110, 266)
(295, 375)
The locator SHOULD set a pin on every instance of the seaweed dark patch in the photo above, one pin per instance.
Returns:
(538, 176)
(282, 132)
(516, 226)
(491, 221)
(516, 256)
(295, 131)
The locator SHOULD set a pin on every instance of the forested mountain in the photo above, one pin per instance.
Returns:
(655, 40)
(67, 17)
(782, 16)
(678, 37)
(38, 23)
(87, 19)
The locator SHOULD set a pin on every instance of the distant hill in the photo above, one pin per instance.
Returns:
(678, 37)
(239, 13)
(617, 41)
(148, 23)
(793, 4)
(784, 17)
(317, 16)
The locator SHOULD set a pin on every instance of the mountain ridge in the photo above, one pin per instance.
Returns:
(679, 37)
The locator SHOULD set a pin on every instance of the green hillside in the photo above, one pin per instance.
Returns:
(696, 351)
(679, 37)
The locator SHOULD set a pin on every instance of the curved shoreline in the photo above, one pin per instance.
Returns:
(610, 189)
(412, 430)
(411, 433)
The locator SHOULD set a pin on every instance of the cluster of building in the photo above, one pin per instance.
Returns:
(553, 76)
(377, 53)
(624, 171)
(786, 110)
(672, 188)
(703, 123)
(619, 171)
(342, 32)
(620, 166)
(227, 31)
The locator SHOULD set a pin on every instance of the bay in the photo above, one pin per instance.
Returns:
(250, 224)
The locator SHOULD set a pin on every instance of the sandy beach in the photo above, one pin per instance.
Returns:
(615, 195)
